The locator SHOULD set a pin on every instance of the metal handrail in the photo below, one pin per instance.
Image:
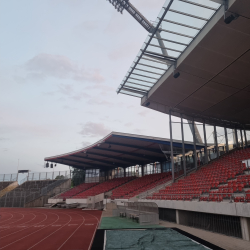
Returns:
(199, 196)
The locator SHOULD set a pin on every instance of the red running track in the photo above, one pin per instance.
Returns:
(47, 229)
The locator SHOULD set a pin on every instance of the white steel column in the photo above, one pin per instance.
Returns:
(242, 143)
(171, 144)
(205, 142)
(194, 138)
(245, 134)
(227, 148)
(216, 142)
(236, 138)
(183, 148)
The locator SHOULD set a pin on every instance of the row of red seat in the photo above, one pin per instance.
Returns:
(104, 187)
(225, 175)
(140, 185)
(78, 189)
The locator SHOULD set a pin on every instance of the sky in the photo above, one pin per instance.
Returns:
(61, 62)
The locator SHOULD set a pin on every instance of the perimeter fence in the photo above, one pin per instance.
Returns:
(57, 175)
(32, 190)
(8, 177)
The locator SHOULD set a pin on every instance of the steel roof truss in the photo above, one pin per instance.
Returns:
(150, 66)
(197, 4)
(186, 14)
(181, 24)
(102, 161)
(130, 154)
(148, 71)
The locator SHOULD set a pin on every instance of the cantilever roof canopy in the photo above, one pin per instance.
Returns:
(214, 81)
(121, 150)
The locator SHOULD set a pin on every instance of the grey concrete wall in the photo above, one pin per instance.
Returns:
(39, 202)
(226, 208)
(63, 187)
(245, 228)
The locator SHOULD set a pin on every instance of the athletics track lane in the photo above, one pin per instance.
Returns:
(63, 229)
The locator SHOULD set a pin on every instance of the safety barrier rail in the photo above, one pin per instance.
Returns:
(218, 197)
(8, 177)
(46, 176)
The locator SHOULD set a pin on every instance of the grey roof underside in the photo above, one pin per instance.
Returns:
(121, 150)
(214, 81)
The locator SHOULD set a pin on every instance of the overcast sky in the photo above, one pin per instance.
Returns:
(61, 62)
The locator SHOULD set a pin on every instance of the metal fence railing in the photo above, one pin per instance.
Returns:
(46, 176)
(30, 191)
(218, 197)
(217, 223)
(8, 177)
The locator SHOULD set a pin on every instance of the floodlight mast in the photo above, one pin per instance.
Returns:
(120, 5)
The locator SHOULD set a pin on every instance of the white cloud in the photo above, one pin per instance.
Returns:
(47, 65)
(91, 129)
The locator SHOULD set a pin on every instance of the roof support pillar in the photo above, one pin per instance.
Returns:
(242, 142)
(183, 148)
(216, 142)
(161, 167)
(205, 142)
(124, 169)
(142, 170)
(194, 138)
(236, 138)
(171, 144)
(245, 134)
(226, 137)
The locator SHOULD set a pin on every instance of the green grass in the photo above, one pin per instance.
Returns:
(121, 223)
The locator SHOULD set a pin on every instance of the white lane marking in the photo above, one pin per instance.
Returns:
(27, 227)
(31, 233)
(53, 232)
(73, 232)
(15, 221)
(21, 223)
(7, 219)
(94, 231)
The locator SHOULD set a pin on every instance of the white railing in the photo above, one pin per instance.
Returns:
(8, 177)
(155, 189)
(219, 197)
(46, 176)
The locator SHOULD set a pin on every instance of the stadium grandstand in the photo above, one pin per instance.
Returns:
(194, 187)
(34, 189)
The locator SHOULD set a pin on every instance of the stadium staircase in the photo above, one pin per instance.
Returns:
(140, 185)
(224, 179)
(103, 187)
(9, 186)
